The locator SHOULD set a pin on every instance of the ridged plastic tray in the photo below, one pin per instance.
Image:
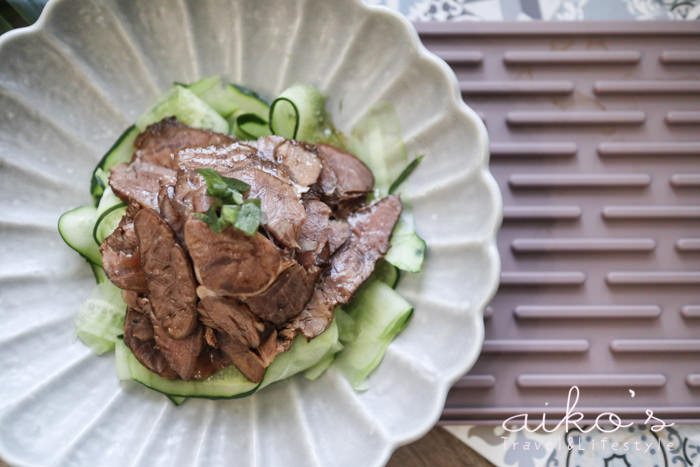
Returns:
(595, 142)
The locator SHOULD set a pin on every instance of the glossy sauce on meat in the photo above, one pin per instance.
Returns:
(198, 300)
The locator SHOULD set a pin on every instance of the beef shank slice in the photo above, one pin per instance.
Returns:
(351, 265)
(138, 336)
(171, 283)
(229, 262)
(286, 297)
(140, 182)
(230, 316)
(279, 201)
(161, 141)
(343, 176)
(120, 254)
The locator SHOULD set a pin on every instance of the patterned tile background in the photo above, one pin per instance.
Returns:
(567, 10)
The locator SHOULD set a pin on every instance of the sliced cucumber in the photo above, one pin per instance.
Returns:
(300, 113)
(248, 101)
(250, 120)
(108, 222)
(347, 329)
(319, 368)
(302, 355)
(380, 313)
(249, 126)
(75, 227)
(225, 384)
(100, 319)
(189, 109)
(99, 273)
(220, 96)
(407, 248)
(376, 140)
(177, 400)
(386, 273)
(202, 85)
(405, 173)
(121, 151)
(110, 211)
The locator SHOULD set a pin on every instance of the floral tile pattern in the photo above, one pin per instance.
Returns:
(561, 10)
(634, 446)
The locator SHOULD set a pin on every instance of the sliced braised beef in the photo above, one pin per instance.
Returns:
(314, 234)
(177, 203)
(351, 265)
(198, 300)
(190, 193)
(120, 255)
(229, 262)
(266, 146)
(140, 182)
(181, 354)
(286, 297)
(338, 235)
(279, 202)
(233, 318)
(223, 158)
(343, 176)
(248, 362)
(300, 161)
(171, 284)
(161, 142)
(271, 347)
(138, 336)
(210, 361)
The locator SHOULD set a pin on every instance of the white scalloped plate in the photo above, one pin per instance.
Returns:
(73, 81)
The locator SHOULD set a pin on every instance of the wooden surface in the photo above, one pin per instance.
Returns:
(436, 449)
(439, 448)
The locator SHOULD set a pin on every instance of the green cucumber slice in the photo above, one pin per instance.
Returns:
(302, 355)
(177, 400)
(347, 328)
(248, 101)
(248, 126)
(99, 273)
(121, 151)
(380, 314)
(110, 210)
(100, 319)
(221, 97)
(407, 248)
(75, 227)
(319, 368)
(108, 221)
(225, 384)
(376, 140)
(189, 109)
(300, 113)
(386, 272)
(202, 85)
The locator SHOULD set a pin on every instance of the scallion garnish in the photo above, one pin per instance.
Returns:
(242, 214)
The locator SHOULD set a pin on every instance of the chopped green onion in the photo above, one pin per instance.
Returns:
(227, 189)
(243, 215)
(210, 218)
(249, 217)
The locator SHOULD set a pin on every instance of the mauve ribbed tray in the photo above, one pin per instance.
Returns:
(595, 143)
